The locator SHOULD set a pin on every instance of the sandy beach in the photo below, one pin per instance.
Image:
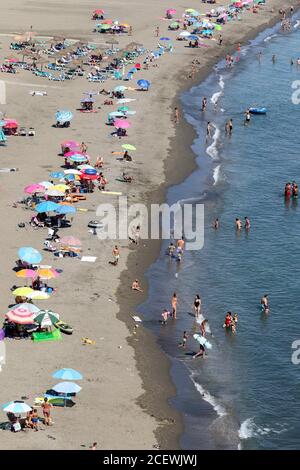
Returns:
(126, 386)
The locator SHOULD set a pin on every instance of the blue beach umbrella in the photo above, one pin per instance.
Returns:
(78, 158)
(65, 209)
(90, 171)
(29, 255)
(164, 39)
(67, 387)
(68, 178)
(67, 374)
(16, 407)
(120, 88)
(143, 83)
(46, 206)
(64, 116)
(193, 37)
(207, 31)
(114, 114)
(57, 174)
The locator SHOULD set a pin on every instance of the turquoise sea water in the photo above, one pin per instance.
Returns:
(246, 394)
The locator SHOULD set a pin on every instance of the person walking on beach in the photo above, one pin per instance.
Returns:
(204, 102)
(208, 130)
(176, 115)
(165, 315)
(220, 40)
(174, 305)
(116, 254)
(46, 407)
(83, 148)
(157, 31)
(180, 245)
(197, 305)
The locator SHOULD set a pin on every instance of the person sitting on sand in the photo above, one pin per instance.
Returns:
(99, 162)
(127, 157)
(126, 177)
(136, 286)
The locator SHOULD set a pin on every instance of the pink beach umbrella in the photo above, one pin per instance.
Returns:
(70, 241)
(34, 188)
(121, 124)
(73, 152)
(171, 11)
(21, 316)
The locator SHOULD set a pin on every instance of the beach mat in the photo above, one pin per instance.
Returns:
(46, 336)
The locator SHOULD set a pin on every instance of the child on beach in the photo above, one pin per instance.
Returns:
(165, 314)
(184, 340)
(136, 286)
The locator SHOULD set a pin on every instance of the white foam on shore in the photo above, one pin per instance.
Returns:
(268, 38)
(215, 97)
(216, 174)
(249, 429)
(219, 409)
(212, 149)
(297, 24)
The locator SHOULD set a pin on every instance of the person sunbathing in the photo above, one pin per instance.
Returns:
(136, 286)
(127, 178)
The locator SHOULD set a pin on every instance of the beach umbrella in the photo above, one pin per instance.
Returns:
(121, 124)
(26, 273)
(63, 116)
(175, 24)
(123, 109)
(115, 114)
(47, 273)
(46, 318)
(71, 153)
(99, 12)
(171, 11)
(125, 100)
(65, 209)
(46, 206)
(70, 241)
(25, 305)
(143, 83)
(67, 374)
(61, 187)
(54, 193)
(218, 27)
(16, 407)
(89, 171)
(130, 113)
(22, 291)
(46, 184)
(29, 255)
(78, 158)
(128, 147)
(84, 167)
(120, 88)
(184, 34)
(34, 188)
(103, 26)
(68, 178)
(89, 177)
(193, 37)
(56, 174)
(38, 295)
(70, 144)
(20, 316)
(66, 387)
(164, 39)
(72, 171)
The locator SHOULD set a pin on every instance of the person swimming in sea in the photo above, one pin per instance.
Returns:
(288, 191)
(247, 118)
(265, 303)
(247, 223)
(234, 322)
(238, 224)
(294, 189)
(216, 224)
(204, 102)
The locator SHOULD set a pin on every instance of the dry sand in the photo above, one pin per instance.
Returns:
(122, 404)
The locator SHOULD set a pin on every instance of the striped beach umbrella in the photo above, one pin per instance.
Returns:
(21, 316)
(46, 318)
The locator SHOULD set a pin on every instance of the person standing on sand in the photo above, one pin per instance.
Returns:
(220, 40)
(176, 115)
(184, 340)
(116, 254)
(174, 305)
(46, 406)
(157, 31)
(83, 148)
(165, 314)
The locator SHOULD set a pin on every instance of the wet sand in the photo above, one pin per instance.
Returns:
(123, 402)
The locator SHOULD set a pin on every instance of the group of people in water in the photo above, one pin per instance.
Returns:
(291, 190)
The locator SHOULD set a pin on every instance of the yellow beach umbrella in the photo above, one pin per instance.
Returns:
(47, 273)
(61, 187)
(22, 292)
(38, 295)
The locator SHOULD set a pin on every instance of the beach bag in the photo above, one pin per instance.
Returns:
(16, 427)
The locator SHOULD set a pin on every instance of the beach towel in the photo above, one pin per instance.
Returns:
(46, 336)
(89, 259)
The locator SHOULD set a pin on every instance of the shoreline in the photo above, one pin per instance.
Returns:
(180, 144)
(124, 392)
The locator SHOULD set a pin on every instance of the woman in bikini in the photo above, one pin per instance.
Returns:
(174, 305)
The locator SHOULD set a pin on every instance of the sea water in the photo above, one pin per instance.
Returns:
(246, 393)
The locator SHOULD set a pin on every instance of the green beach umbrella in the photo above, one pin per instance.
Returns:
(104, 26)
(174, 24)
(218, 27)
(46, 318)
(128, 147)
(123, 108)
